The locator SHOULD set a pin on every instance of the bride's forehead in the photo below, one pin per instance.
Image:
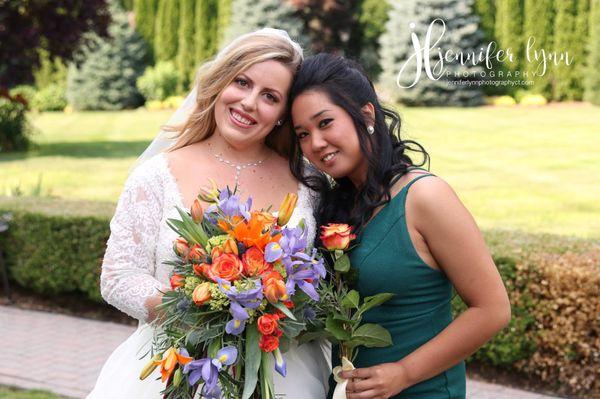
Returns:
(268, 73)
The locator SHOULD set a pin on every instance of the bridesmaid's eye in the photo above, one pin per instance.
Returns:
(324, 123)
(301, 135)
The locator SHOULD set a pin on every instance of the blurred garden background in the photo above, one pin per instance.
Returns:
(86, 84)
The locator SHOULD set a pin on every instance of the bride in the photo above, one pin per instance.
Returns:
(234, 131)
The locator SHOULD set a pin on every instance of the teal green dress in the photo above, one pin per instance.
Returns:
(387, 261)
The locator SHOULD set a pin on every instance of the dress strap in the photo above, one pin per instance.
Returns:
(405, 188)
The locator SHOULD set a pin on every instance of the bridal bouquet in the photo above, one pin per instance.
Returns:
(339, 312)
(242, 283)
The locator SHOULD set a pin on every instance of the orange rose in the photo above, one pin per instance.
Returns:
(177, 280)
(227, 266)
(197, 254)
(268, 343)
(254, 262)
(181, 247)
(336, 236)
(267, 324)
(201, 294)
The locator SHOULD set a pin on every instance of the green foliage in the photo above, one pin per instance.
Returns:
(14, 129)
(145, 15)
(25, 91)
(250, 15)
(185, 48)
(396, 50)
(224, 17)
(105, 77)
(206, 35)
(541, 34)
(166, 30)
(14, 393)
(50, 98)
(486, 10)
(54, 254)
(592, 77)
(509, 31)
(565, 41)
(50, 71)
(372, 18)
(158, 82)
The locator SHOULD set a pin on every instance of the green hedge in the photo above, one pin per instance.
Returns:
(55, 246)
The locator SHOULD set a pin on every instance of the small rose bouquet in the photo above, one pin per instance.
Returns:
(243, 282)
(339, 312)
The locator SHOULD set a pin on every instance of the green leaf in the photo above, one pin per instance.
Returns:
(351, 300)
(285, 310)
(214, 347)
(372, 301)
(372, 336)
(292, 328)
(342, 265)
(252, 361)
(314, 335)
(267, 390)
(336, 328)
(338, 253)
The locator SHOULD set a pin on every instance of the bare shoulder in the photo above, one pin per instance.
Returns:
(183, 155)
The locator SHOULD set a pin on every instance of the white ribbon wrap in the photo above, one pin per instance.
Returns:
(340, 389)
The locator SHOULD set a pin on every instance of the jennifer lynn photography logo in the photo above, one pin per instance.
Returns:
(427, 56)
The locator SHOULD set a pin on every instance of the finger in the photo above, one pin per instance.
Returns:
(371, 394)
(356, 373)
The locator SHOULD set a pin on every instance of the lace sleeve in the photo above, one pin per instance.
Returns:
(127, 278)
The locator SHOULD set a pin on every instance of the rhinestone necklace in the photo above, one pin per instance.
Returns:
(238, 167)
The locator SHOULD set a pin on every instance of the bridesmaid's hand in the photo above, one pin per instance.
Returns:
(377, 382)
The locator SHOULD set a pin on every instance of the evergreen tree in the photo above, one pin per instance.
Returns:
(185, 49)
(223, 20)
(166, 30)
(565, 80)
(580, 51)
(372, 18)
(105, 72)
(540, 35)
(509, 32)
(206, 38)
(462, 35)
(250, 15)
(592, 77)
(145, 16)
(486, 10)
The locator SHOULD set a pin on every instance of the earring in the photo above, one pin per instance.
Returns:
(370, 129)
(279, 122)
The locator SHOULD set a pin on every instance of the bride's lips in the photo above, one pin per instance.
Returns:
(241, 119)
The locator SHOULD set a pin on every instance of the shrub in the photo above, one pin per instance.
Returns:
(25, 91)
(533, 99)
(14, 129)
(502, 101)
(158, 82)
(50, 98)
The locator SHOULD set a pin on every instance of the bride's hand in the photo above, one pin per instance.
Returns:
(151, 304)
(377, 382)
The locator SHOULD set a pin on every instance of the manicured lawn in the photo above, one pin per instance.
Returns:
(10, 393)
(534, 169)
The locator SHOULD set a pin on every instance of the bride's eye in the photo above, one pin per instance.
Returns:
(324, 123)
(241, 82)
(271, 97)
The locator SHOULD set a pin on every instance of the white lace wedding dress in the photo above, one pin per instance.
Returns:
(133, 270)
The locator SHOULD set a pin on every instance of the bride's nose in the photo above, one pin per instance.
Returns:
(249, 101)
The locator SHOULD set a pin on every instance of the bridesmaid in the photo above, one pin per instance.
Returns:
(416, 239)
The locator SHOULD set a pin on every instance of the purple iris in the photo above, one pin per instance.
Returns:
(208, 369)
(239, 302)
(231, 205)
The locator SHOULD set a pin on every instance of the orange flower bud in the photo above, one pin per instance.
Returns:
(197, 211)
(336, 236)
(230, 246)
(274, 287)
(286, 209)
(177, 280)
(210, 194)
(197, 254)
(201, 294)
(181, 247)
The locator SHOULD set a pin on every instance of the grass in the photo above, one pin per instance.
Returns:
(13, 393)
(532, 169)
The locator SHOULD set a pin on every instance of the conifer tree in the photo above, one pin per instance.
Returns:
(462, 35)
(486, 10)
(166, 30)
(592, 77)
(206, 37)
(186, 61)
(540, 35)
(509, 31)
(564, 42)
(223, 20)
(145, 16)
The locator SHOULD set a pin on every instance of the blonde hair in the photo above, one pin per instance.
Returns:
(215, 75)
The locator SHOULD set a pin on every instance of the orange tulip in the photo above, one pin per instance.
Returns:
(196, 211)
(274, 287)
(177, 280)
(181, 247)
(201, 294)
(336, 236)
(169, 361)
(197, 254)
(286, 209)
(230, 246)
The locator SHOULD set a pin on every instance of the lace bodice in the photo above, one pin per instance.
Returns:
(140, 240)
